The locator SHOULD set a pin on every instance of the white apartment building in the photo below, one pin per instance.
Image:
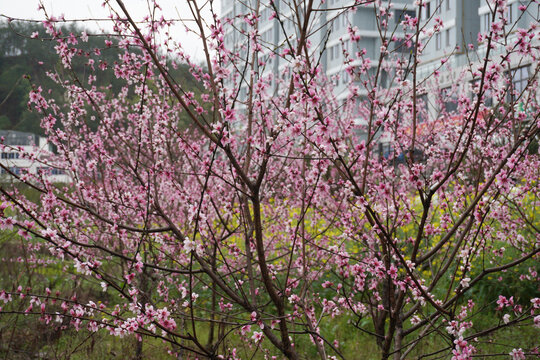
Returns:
(463, 20)
(328, 29)
(458, 43)
(26, 153)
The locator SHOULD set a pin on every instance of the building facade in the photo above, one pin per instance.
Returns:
(328, 35)
(462, 21)
(23, 153)
(461, 43)
(458, 44)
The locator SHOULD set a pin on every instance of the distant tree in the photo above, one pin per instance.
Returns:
(28, 54)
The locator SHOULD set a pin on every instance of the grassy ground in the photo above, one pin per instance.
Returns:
(27, 339)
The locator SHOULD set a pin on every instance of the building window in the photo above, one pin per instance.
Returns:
(15, 170)
(447, 37)
(520, 79)
(400, 46)
(449, 100)
(400, 15)
(426, 11)
(243, 93)
(439, 6)
(345, 77)
(487, 96)
(422, 108)
(334, 52)
(509, 15)
(55, 171)
(10, 155)
(438, 41)
(448, 4)
(487, 22)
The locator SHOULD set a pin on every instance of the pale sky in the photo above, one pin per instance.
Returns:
(87, 9)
